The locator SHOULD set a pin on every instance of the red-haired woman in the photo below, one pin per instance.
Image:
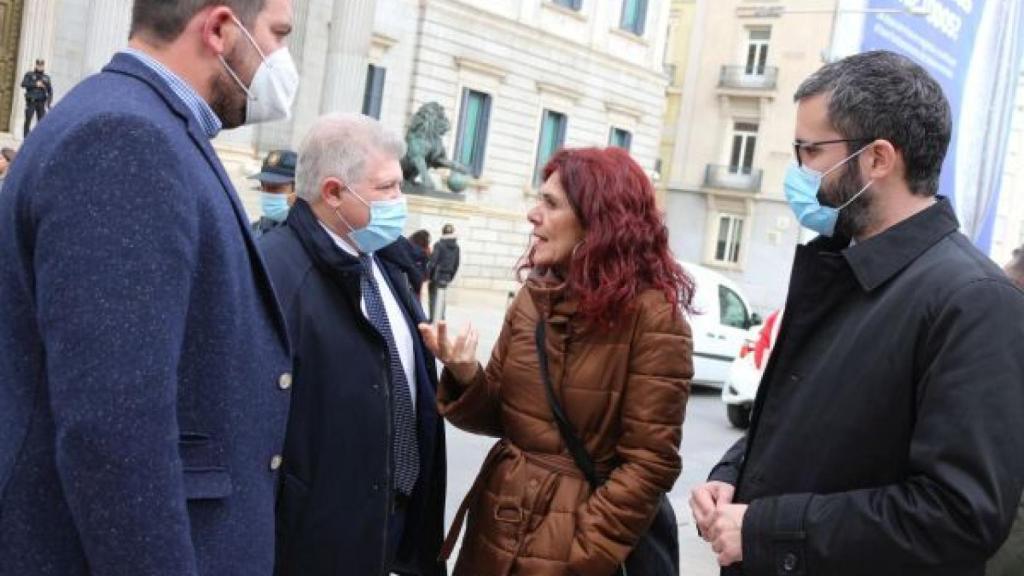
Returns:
(606, 298)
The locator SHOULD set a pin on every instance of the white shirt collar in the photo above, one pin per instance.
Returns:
(339, 241)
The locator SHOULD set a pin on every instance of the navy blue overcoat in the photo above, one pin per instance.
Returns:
(141, 348)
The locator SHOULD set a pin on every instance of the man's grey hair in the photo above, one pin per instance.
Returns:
(884, 95)
(337, 147)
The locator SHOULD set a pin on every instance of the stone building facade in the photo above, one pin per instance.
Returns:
(516, 77)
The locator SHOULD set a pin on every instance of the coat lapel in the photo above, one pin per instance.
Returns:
(130, 66)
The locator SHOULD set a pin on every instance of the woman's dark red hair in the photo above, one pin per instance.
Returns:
(625, 248)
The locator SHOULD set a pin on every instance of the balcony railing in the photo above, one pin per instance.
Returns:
(749, 77)
(732, 178)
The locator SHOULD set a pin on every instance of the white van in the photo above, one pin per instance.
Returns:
(720, 322)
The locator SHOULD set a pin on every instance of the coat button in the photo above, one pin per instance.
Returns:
(532, 484)
(789, 562)
(285, 381)
(276, 461)
(376, 487)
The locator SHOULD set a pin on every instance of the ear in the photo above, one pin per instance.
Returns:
(881, 159)
(331, 191)
(216, 27)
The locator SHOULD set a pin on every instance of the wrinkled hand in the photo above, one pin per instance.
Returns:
(459, 357)
(726, 533)
(704, 499)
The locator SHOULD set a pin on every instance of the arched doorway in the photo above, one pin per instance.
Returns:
(10, 33)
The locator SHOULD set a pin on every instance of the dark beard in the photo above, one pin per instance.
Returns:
(227, 99)
(857, 217)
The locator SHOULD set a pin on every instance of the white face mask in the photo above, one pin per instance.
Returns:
(273, 88)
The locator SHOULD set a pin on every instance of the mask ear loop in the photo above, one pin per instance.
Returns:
(847, 159)
(337, 212)
(855, 196)
(844, 161)
(231, 72)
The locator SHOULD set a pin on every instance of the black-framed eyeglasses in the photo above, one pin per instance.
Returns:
(797, 146)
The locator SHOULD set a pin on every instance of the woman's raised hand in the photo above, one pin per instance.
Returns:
(458, 356)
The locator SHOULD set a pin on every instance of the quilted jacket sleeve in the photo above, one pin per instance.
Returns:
(654, 399)
(476, 407)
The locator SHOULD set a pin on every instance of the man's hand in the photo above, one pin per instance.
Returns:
(704, 499)
(459, 357)
(39, 84)
(726, 533)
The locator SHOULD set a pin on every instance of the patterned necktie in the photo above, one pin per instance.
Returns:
(403, 416)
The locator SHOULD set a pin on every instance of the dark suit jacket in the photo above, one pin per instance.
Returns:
(336, 494)
(141, 347)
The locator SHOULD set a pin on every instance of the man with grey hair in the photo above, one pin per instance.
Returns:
(364, 460)
(885, 436)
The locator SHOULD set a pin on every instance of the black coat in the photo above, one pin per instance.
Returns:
(334, 504)
(444, 262)
(885, 438)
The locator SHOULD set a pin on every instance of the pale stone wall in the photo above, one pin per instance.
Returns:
(528, 54)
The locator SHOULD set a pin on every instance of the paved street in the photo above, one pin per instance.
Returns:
(706, 435)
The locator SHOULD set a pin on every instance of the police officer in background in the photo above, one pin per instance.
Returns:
(38, 94)
(277, 190)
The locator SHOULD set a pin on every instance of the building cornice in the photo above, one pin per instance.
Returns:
(558, 90)
(482, 67)
(383, 41)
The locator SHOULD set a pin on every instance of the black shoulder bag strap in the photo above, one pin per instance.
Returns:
(572, 441)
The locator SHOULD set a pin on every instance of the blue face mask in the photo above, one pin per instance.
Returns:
(275, 206)
(802, 185)
(387, 220)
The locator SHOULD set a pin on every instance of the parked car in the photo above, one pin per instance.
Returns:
(720, 322)
(745, 373)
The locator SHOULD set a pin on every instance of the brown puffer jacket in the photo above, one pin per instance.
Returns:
(531, 512)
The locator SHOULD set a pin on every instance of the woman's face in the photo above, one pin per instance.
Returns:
(556, 230)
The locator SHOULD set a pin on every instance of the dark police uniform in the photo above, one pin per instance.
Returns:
(37, 98)
(278, 168)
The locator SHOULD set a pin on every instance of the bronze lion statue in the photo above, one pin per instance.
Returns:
(424, 148)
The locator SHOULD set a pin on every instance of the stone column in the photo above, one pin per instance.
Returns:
(108, 26)
(348, 51)
(37, 27)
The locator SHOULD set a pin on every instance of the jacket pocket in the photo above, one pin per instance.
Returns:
(203, 475)
(207, 483)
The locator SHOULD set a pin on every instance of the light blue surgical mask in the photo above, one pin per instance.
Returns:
(275, 206)
(387, 220)
(802, 185)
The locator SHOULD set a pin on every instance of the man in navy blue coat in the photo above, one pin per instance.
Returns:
(144, 363)
(364, 462)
